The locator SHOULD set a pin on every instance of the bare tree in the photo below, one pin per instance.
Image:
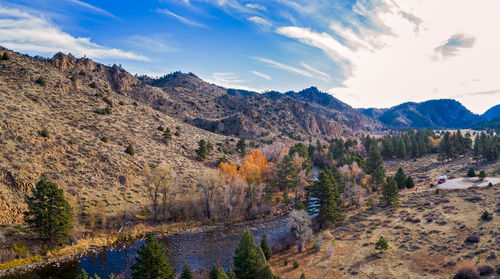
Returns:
(159, 182)
(210, 185)
(274, 152)
(301, 224)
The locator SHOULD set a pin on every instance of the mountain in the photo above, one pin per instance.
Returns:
(491, 114)
(54, 115)
(264, 117)
(442, 113)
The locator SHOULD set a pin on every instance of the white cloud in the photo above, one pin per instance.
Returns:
(25, 32)
(285, 67)
(394, 57)
(158, 43)
(260, 21)
(93, 8)
(255, 6)
(182, 19)
(259, 74)
(229, 80)
(316, 71)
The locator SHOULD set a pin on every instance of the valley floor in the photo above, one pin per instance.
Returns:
(426, 234)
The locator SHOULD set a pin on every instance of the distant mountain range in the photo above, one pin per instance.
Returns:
(442, 113)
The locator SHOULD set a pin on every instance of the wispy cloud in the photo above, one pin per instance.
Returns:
(255, 6)
(229, 80)
(158, 43)
(326, 76)
(452, 46)
(259, 74)
(284, 67)
(260, 21)
(181, 18)
(93, 8)
(35, 34)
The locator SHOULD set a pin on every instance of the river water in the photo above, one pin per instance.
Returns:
(199, 250)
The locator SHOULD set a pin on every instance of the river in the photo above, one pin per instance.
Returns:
(199, 250)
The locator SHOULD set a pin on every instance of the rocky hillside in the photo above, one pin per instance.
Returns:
(443, 113)
(265, 117)
(54, 115)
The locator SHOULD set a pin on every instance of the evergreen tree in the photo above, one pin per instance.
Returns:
(151, 261)
(214, 273)
(373, 161)
(287, 176)
(381, 244)
(390, 192)
(241, 146)
(409, 182)
(266, 248)
(186, 272)
(378, 177)
(400, 178)
(387, 148)
(49, 214)
(5, 56)
(471, 173)
(204, 147)
(249, 260)
(482, 175)
(446, 147)
(328, 196)
(130, 150)
(401, 149)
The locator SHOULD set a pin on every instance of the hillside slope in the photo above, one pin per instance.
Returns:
(442, 113)
(491, 114)
(61, 96)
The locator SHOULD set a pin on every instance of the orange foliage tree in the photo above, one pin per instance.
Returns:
(254, 169)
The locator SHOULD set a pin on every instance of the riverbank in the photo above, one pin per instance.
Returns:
(117, 241)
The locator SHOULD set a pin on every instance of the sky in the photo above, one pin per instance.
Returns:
(366, 53)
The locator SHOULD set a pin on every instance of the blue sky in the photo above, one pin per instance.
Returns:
(367, 53)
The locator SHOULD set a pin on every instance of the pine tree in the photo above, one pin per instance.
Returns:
(482, 175)
(381, 244)
(378, 177)
(49, 214)
(446, 148)
(409, 182)
(326, 192)
(401, 149)
(249, 260)
(374, 160)
(287, 176)
(202, 150)
(387, 148)
(266, 248)
(390, 192)
(241, 146)
(151, 261)
(186, 272)
(471, 173)
(214, 273)
(400, 178)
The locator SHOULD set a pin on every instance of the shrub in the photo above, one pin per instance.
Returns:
(5, 56)
(486, 216)
(121, 103)
(45, 133)
(285, 262)
(160, 128)
(472, 238)
(104, 139)
(107, 101)
(73, 79)
(498, 269)
(20, 249)
(471, 173)
(82, 73)
(296, 264)
(467, 272)
(41, 81)
(130, 150)
(409, 183)
(104, 111)
(381, 244)
(302, 276)
(93, 85)
(485, 270)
